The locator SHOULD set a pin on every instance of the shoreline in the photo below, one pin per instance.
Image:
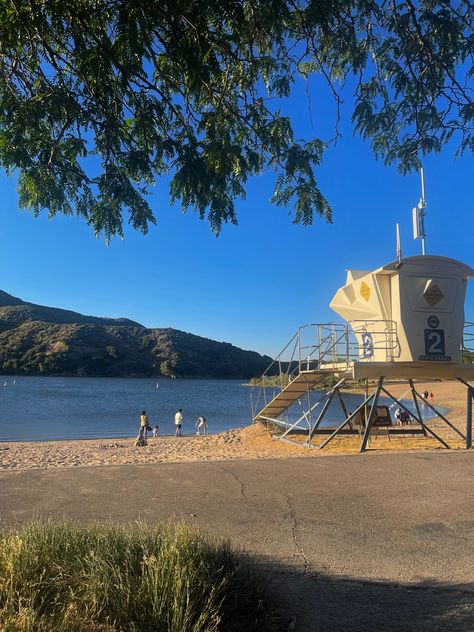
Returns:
(245, 443)
(120, 438)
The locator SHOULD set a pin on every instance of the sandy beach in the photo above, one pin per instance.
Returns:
(248, 443)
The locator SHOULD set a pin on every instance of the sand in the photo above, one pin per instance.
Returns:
(251, 442)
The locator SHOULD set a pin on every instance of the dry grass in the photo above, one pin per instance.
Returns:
(65, 577)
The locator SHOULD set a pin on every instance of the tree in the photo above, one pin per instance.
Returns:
(111, 352)
(166, 368)
(100, 99)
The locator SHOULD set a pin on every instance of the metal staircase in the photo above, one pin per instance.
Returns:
(286, 403)
(315, 352)
(290, 394)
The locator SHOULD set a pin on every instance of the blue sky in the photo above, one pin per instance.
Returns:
(259, 281)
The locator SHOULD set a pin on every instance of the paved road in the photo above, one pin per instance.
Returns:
(405, 519)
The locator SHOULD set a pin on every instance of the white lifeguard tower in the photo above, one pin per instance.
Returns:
(419, 304)
(404, 320)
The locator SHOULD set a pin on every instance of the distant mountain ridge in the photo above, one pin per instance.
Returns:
(41, 340)
(22, 311)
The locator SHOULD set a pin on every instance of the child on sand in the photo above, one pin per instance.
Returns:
(156, 431)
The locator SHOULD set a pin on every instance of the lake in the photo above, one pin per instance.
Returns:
(46, 408)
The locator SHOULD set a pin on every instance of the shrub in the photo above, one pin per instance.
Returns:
(65, 577)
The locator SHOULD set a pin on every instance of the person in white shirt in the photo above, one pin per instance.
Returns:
(201, 423)
(398, 416)
(156, 431)
(178, 422)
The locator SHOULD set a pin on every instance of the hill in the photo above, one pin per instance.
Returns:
(19, 311)
(40, 340)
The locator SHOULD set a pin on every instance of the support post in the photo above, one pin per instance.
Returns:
(313, 406)
(305, 415)
(346, 421)
(426, 428)
(366, 409)
(469, 418)
(446, 421)
(470, 395)
(415, 401)
(344, 407)
(320, 416)
(308, 399)
(343, 404)
(368, 426)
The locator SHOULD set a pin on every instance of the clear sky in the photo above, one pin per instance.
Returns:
(259, 281)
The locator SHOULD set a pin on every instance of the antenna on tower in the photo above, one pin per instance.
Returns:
(419, 213)
(399, 245)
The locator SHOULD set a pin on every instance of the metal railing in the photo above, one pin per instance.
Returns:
(375, 340)
(322, 346)
(467, 347)
(333, 347)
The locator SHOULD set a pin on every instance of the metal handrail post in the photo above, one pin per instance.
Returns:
(347, 346)
(299, 350)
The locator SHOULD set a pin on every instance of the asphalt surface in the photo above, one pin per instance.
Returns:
(381, 533)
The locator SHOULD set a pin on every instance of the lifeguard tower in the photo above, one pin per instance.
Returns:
(408, 315)
(404, 320)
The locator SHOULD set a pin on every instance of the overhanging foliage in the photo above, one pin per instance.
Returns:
(101, 98)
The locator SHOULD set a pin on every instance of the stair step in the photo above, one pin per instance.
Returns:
(292, 391)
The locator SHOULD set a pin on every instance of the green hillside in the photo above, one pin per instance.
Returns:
(39, 340)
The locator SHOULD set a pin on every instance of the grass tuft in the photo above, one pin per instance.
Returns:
(66, 577)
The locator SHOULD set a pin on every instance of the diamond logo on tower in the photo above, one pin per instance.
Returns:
(365, 291)
(433, 294)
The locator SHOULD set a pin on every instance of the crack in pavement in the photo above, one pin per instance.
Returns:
(237, 479)
(291, 513)
(294, 527)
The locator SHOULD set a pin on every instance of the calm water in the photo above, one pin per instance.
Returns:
(42, 408)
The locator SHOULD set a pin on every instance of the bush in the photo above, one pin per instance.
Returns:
(65, 577)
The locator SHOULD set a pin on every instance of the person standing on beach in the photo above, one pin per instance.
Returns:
(141, 439)
(201, 423)
(178, 422)
(143, 424)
